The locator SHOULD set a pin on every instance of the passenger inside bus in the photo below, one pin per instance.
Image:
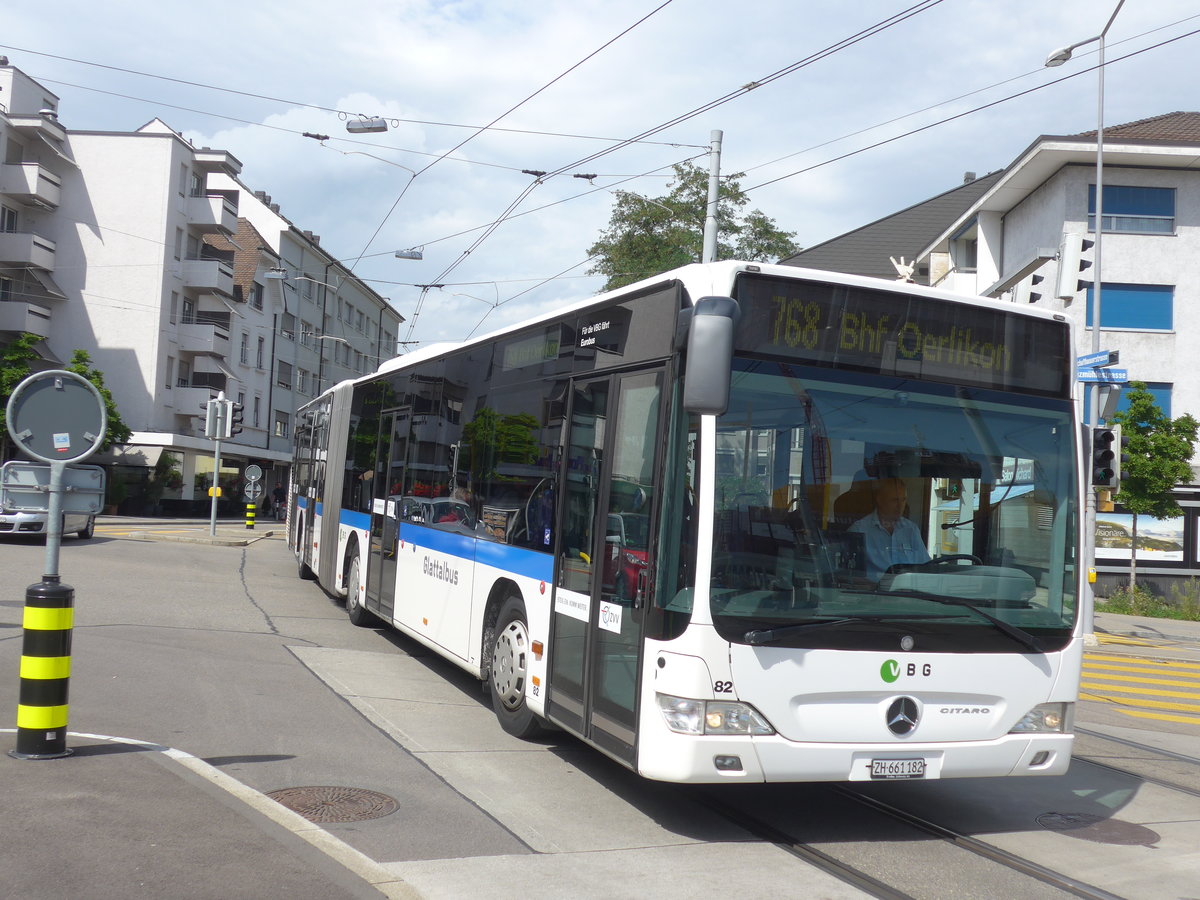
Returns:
(888, 536)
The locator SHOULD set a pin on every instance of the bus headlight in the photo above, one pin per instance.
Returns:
(1046, 718)
(687, 716)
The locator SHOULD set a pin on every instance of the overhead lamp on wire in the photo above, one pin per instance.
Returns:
(410, 253)
(366, 125)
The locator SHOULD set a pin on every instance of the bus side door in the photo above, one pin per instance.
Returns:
(610, 480)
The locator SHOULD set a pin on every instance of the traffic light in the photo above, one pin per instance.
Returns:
(214, 421)
(236, 415)
(1025, 292)
(1070, 264)
(1108, 457)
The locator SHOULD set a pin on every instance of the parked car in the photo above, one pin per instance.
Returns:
(35, 523)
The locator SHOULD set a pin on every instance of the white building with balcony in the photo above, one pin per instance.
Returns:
(151, 255)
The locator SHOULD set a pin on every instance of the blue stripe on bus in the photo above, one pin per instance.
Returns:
(301, 502)
(514, 560)
(358, 520)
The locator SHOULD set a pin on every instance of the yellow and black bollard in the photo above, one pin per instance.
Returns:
(250, 510)
(45, 670)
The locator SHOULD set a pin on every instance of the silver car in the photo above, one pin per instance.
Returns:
(35, 523)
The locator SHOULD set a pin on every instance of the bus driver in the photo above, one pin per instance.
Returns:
(888, 537)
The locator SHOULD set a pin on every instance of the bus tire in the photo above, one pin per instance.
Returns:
(357, 613)
(508, 678)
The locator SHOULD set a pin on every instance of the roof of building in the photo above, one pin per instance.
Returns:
(1172, 128)
(868, 250)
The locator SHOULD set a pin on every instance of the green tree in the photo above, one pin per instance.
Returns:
(15, 367)
(118, 432)
(1160, 451)
(646, 236)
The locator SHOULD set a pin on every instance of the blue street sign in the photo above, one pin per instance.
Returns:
(1101, 358)
(1108, 375)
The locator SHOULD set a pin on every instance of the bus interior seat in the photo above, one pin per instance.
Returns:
(851, 505)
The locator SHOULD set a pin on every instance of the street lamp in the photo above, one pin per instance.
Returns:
(1057, 58)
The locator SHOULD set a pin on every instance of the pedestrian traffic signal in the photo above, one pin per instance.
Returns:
(236, 415)
(1070, 264)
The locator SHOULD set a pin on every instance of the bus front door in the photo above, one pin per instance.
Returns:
(610, 480)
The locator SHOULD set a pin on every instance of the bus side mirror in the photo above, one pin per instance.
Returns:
(710, 355)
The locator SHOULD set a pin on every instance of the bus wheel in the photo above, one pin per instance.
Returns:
(509, 676)
(359, 615)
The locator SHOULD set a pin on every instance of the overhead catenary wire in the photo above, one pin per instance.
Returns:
(298, 103)
(872, 30)
(507, 112)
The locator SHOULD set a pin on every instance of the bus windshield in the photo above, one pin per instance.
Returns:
(850, 506)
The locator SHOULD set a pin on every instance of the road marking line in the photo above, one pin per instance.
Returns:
(1133, 679)
(1146, 704)
(1142, 660)
(1137, 690)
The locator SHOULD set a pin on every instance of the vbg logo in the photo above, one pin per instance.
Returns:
(891, 670)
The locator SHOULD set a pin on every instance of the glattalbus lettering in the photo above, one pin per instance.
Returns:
(439, 570)
(957, 347)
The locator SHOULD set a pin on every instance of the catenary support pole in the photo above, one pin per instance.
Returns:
(714, 190)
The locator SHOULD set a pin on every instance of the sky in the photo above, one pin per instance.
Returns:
(860, 110)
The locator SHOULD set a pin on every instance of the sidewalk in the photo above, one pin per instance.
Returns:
(229, 532)
(1145, 627)
(121, 819)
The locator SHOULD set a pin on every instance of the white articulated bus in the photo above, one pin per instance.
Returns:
(733, 523)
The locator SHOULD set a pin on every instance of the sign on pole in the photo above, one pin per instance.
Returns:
(1099, 359)
(1114, 376)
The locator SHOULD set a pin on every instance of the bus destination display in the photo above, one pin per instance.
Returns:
(892, 334)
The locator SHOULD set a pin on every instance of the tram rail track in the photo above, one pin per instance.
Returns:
(1142, 769)
(877, 883)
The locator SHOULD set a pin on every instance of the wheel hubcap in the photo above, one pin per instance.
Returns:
(509, 664)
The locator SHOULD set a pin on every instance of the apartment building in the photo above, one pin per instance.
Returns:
(181, 283)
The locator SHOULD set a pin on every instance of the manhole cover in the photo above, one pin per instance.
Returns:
(335, 804)
(1099, 829)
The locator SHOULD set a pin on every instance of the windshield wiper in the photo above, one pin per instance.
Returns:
(1019, 635)
(771, 635)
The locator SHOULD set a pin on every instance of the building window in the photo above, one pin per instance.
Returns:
(287, 326)
(183, 177)
(1160, 389)
(198, 184)
(244, 357)
(308, 287)
(170, 372)
(1146, 307)
(262, 347)
(302, 381)
(174, 307)
(359, 320)
(306, 333)
(1139, 210)
(256, 295)
(184, 378)
(284, 378)
(178, 243)
(8, 219)
(258, 412)
(281, 424)
(6, 289)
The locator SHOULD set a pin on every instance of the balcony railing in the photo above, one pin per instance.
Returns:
(25, 248)
(212, 213)
(30, 183)
(19, 315)
(208, 275)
